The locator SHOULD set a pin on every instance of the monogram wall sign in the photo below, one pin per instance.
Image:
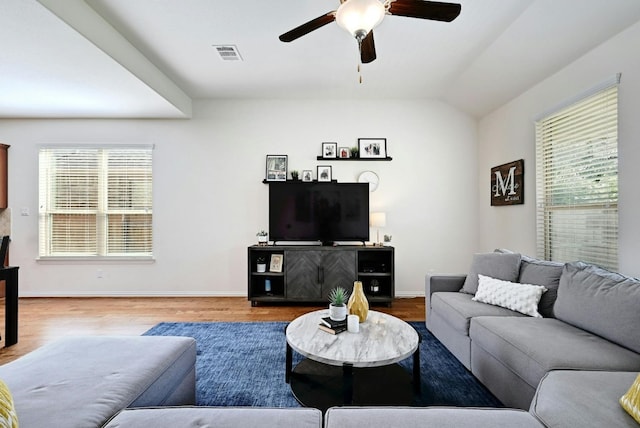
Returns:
(507, 184)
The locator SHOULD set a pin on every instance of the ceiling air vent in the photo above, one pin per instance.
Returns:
(228, 52)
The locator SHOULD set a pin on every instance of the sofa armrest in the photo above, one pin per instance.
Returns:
(439, 282)
(434, 283)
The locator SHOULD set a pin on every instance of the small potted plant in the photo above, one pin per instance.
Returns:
(261, 264)
(294, 175)
(387, 240)
(338, 304)
(354, 152)
(263, 237)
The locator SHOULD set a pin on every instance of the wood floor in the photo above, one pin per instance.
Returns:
(42, 320)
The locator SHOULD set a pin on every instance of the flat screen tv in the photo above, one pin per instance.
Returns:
(318, 211)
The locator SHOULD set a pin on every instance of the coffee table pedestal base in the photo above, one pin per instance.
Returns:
(323, 386)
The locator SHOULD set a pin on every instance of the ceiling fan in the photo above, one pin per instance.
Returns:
(359, 17)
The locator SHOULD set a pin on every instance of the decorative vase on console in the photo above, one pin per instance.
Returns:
(338, 306)
(261, 264)
(358, 303)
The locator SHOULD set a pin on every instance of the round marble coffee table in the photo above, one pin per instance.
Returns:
(352, 368)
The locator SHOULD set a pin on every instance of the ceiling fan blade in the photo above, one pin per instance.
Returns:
(308, 27)
(367, 49)
(433, 10)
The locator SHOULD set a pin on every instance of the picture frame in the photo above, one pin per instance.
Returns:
(276, 168)
(507, 184)
(324, 173)
(307, 175)
(330, 150)
(276, 263)
(372, 148)
(344, 152)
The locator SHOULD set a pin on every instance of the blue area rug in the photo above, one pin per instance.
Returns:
(243, 364)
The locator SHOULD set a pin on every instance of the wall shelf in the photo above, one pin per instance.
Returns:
(297, 181)
(388, 158)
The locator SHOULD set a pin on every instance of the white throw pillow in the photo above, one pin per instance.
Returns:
(523, 298)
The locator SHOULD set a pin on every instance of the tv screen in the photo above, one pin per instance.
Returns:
(326, 212)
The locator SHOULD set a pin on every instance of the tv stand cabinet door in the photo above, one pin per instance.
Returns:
(312, 274)
(303, 275)
(340, 270)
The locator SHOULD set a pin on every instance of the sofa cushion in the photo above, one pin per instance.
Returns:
(440, 417)
(602, 302)
(630, 401)
(495, 265)
(579, 398)
(518, 297)
(545, 273)
(457, 309)
(530, 347)
(219, 417)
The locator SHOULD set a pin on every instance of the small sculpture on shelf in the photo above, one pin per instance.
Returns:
(261, 264)
(263, 237)
(354, 152)
(295, 175)
(338, 304)
(374, 287)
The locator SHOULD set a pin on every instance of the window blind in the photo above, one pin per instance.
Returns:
(95, 201)
(577, 181)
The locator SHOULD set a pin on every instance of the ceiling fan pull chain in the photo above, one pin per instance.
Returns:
(359, 39)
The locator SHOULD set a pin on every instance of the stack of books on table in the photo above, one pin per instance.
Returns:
(331, 326)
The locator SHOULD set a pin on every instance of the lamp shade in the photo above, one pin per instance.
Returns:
(378, 219)
(360, 15)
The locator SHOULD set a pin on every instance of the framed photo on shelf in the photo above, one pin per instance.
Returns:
(276, 263)
(329, 150)
(276, 168)
(372, 147)
(324, 173)
(343, 152)
(307, 175)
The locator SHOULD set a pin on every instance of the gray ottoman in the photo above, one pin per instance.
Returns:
(219, 417)
(440, 417)
(83, 381)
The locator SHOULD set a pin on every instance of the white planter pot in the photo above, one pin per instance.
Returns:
(261, 267)
(338, 313)
(263, 240)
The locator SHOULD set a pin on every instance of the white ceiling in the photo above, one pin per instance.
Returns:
(151, 58)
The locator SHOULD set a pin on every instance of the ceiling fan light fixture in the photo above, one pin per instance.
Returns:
(359, 17)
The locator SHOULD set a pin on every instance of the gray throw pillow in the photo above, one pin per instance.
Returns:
(602, 302)
(542, 272)
(496, 265)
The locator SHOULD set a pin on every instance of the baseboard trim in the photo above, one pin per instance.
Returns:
(405, 295)
(137, 294)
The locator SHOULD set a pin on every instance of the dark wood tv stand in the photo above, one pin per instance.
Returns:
(309, 273)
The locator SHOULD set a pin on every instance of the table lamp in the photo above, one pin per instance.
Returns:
(378, 220)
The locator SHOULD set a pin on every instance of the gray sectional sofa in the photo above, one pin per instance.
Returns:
(590, 323)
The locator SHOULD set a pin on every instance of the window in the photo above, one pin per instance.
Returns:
(96, 201)
(577, 181)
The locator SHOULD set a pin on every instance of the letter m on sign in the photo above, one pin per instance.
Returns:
(507, 183)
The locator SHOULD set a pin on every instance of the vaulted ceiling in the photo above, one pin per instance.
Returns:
(152, 58)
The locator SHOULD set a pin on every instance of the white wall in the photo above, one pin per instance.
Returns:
(509, 134)
(209, 199)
